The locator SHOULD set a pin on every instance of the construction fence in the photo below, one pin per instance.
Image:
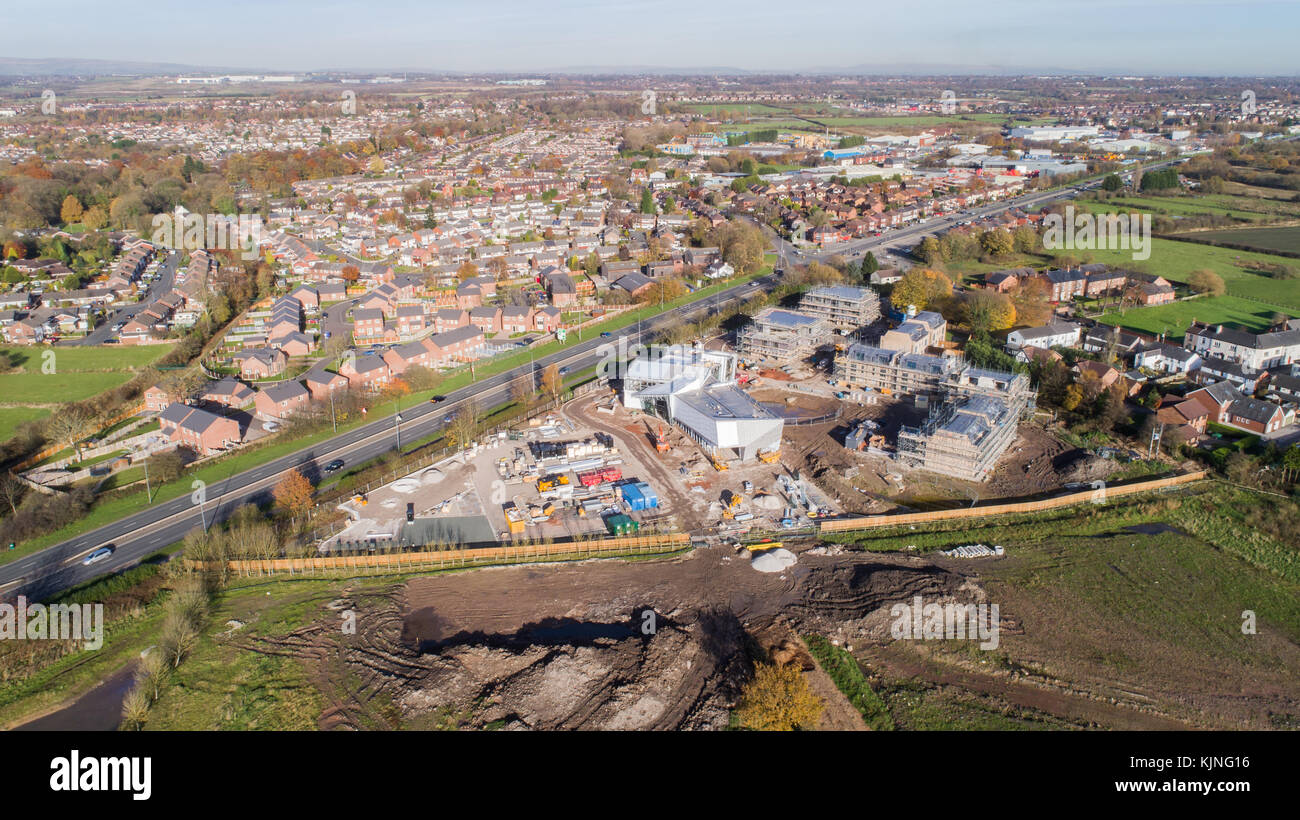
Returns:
(398, 562)
(1098, 495)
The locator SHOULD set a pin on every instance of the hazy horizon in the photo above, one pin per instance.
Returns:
(1162, 37)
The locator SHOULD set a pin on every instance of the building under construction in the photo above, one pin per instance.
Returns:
(844, 306)
(969, 431)
(778, 335)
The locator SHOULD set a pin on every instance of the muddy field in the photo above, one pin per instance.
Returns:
(568, 646)
(572, 646)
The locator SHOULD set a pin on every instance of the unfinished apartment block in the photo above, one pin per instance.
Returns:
(891, 372)
(844, 306)
(970, 430)
(778, 335)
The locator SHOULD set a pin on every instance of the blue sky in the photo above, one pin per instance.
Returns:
(1256, 37)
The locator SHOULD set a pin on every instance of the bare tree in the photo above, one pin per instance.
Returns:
(68, 425)
(552, 381)
(12, 491)
(465, 425)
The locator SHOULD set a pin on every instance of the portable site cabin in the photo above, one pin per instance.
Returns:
(621, 524)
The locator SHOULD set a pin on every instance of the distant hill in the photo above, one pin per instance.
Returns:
(77, 67)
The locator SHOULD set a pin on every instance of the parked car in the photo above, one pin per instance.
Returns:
(270, 426)
(99, 555)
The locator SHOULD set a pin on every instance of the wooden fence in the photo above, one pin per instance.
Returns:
(395, 562)
(1090, 495)
(57, 448)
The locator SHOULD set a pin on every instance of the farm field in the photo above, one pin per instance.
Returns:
(1264, 239)
(1173, 319)
(11, 418)
(28, 393)
(780, 125)
(735, 108)
(906, 121)
(1090, 594)
(1173, 206)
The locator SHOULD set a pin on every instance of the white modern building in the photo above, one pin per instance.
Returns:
(696, 389)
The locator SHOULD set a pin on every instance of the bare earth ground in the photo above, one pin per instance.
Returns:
(562, 646)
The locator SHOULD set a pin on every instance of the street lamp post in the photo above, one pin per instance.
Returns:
(397, 424)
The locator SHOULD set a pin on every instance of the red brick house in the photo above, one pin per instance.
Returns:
(281, 400)
(368, 324)
(366, 372)
(486, 319)
(459, 345)
(262, 363)
(202, 431)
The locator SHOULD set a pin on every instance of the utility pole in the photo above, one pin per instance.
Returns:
(147, 488)
(333, 418)
(397, 424)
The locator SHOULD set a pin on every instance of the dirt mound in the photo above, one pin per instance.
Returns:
(1080, 465)
(599, 676)
(855, 597)
(570, 646)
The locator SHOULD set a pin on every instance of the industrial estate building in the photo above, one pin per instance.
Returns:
(781, 335)
(696, 390)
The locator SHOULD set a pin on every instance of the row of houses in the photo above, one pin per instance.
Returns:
(1091, 281)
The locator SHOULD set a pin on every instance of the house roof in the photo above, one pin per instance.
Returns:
(284, 391)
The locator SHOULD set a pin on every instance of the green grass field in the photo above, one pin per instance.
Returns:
(1142, 595)
(11, 418)
(1175, 260)
(1173, 319)
(919, 121)
(1264, 239)
(735, 108)
(78, 372)
(1177, 206)
(112, 357)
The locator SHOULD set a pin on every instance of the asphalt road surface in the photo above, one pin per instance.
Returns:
(159, 287)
